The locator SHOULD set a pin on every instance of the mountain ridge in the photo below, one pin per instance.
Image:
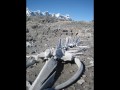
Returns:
(46, 13)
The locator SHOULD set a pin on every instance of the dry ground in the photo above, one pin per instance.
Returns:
(42, 36)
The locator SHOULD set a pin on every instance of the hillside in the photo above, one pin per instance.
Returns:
(43, 33)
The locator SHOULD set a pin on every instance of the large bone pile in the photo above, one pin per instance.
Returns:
(66, 50)
(66, 45)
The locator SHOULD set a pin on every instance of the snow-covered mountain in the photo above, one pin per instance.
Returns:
(38, 13)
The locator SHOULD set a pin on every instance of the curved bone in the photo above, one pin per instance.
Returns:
(73, 78)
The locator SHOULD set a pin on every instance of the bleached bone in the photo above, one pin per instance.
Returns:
(83, 46)
(77, 41)
(48, 82)
(41, 55)
(67, 56)
(47, 54)
(66, 43)
(28, 85)
(44, 74)
(77, 54)
(34, 56)
(73, 78)
(58, 52)
(44, 78)
(72, 42)
(59, 45)
(77, 49)
(73, 51)
(69, 43)
(44, 55)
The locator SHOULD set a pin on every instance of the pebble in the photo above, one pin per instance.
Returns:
(92, 63)
(81, 81)
(71, 71)
(84, 76)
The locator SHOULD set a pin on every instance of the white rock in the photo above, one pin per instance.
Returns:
(84, 76)
(81, 81)
(92, 63)
(28, 44)
(71, 71)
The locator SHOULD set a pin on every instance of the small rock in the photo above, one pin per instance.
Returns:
(84, 76)
(81, 81)
(71, 71)
(92, 63)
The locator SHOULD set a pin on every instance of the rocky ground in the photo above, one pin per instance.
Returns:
(43, 35)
